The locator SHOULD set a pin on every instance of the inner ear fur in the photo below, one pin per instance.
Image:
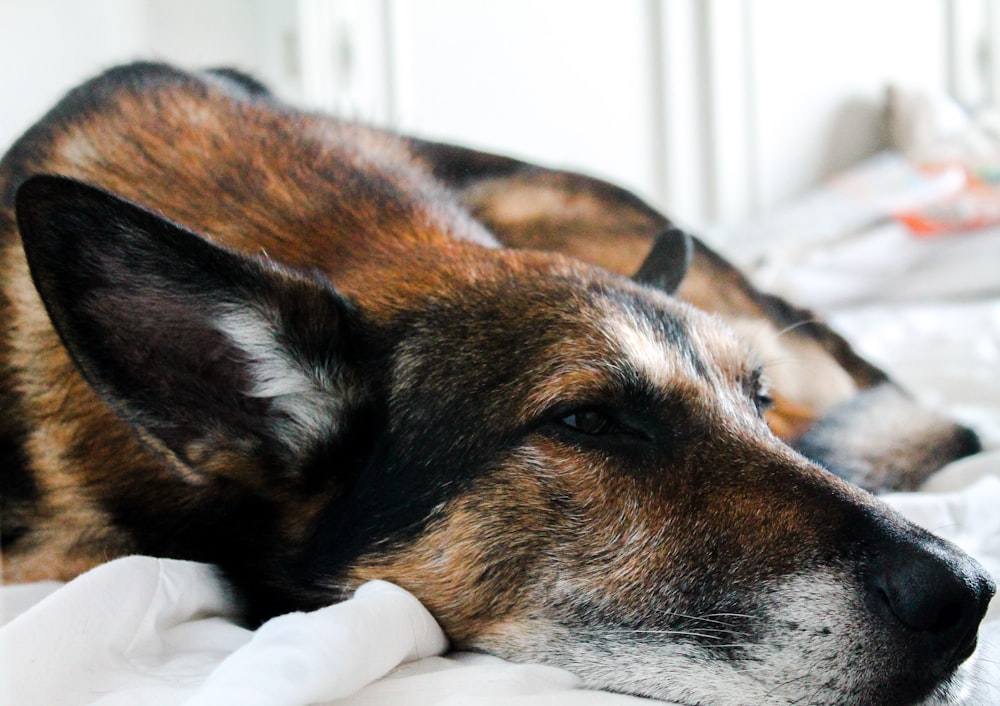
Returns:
(213, 356)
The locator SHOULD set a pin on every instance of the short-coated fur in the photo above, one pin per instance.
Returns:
(315, 353)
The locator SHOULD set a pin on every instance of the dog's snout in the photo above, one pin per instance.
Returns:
(936, 594)
(966, 442)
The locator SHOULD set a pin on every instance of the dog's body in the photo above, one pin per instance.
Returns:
(345, 377)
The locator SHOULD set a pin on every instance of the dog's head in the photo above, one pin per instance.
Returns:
(565, 466)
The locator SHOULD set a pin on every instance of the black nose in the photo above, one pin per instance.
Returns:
(965, 442)
(935, 593)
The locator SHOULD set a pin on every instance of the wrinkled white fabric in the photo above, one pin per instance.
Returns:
(304, 658)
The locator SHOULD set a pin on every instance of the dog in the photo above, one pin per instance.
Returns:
(314, 353)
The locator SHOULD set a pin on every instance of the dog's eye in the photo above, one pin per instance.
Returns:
(763, 401)
(606, 428)
(760, 392)
(592, 422)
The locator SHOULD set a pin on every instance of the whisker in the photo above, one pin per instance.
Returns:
(708, 618)
(653, 631)
(671, 633)
(742, 616)
(797, 324)
(774, 362)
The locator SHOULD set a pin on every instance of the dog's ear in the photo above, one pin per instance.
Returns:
(215, 358)
(668, 261)
(528, 206)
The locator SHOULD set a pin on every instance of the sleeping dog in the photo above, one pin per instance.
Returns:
(314, 354)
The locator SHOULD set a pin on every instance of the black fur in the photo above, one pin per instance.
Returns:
(668, 261)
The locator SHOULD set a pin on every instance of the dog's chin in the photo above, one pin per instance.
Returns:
(812, 645)
(968, 685)
(734, 689)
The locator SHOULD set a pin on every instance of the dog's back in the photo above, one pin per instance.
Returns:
(237, 165)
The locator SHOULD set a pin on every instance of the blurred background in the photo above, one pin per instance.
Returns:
(716, 111)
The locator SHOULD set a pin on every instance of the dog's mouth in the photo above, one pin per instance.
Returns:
(963, 687)
(966, 652)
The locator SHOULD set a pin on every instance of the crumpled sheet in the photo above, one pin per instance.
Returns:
(142, 630)
(884, 263)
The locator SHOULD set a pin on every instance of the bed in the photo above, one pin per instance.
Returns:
(144, 630)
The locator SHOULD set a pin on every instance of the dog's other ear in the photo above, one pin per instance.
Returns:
(528, 206)
(220, 361)
(668, 261)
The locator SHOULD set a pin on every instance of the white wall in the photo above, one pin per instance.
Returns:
(717, 110)
(819, 73)
(258, 36)
(48, 45)
(567, 82)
